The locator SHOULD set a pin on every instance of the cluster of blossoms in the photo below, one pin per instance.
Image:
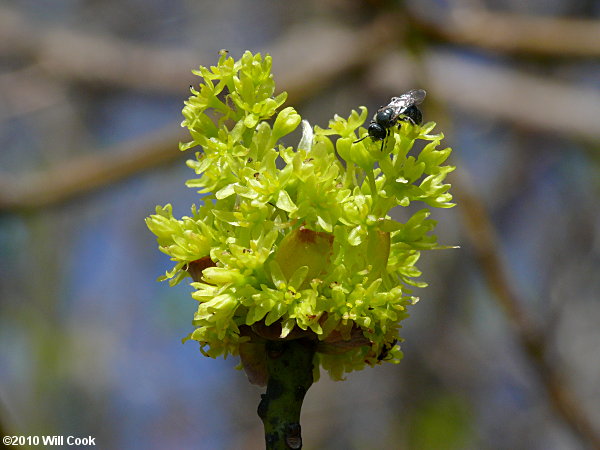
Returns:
(297, 242)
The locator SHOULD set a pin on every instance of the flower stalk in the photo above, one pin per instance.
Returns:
(290, 369)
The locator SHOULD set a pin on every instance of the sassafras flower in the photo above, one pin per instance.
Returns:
(296, 242)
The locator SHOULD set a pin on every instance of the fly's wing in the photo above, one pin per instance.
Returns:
(399, 105)
(416, 96)
(402, 103)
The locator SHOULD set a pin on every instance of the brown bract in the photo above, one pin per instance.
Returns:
(196, 267)
(253, 351)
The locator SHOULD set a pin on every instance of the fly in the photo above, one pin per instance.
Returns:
(403, 108)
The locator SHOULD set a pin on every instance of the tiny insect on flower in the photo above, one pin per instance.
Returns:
(403, 108)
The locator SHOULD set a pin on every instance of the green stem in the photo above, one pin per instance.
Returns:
(372, 185)
(290, 368)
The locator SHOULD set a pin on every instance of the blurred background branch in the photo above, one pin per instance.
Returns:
(78, 56)
(533, 340)
(86, 173)
(510, 32)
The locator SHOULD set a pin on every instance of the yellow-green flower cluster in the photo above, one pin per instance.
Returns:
(297, 242)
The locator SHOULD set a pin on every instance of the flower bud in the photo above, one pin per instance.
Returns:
(287, 120)
(304, 247)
